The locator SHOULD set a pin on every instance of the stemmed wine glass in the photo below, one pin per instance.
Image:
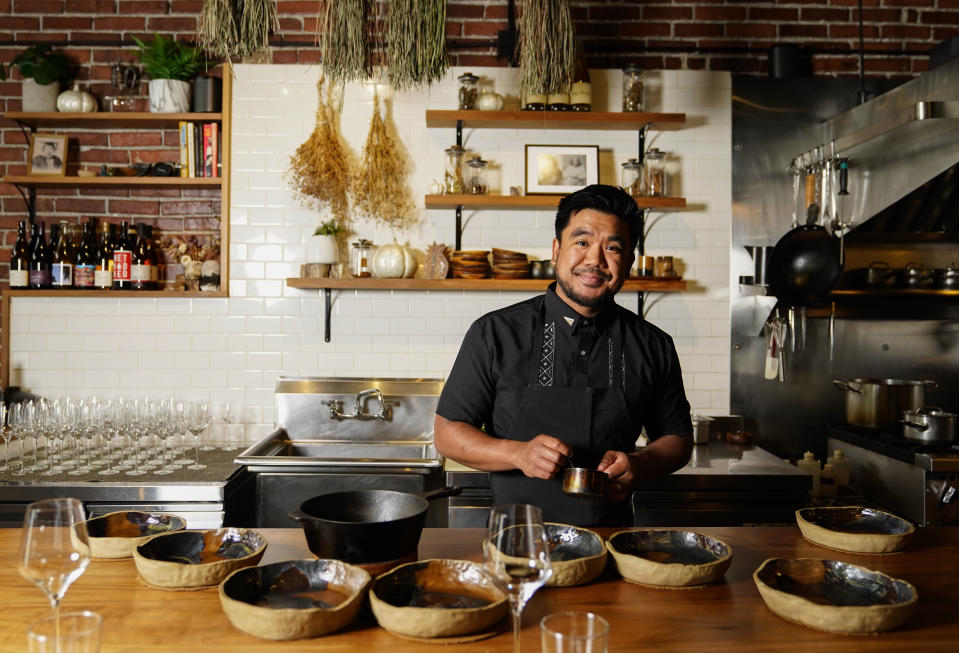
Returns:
(516, 555)
(199, 419)
(55, 548)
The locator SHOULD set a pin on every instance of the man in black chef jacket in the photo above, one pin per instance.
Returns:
(570, 378)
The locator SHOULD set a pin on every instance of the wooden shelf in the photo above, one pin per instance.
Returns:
(109, 120)
(41, 181)
(114, 294)
(554, 119)
(532, 202)
(657, 284)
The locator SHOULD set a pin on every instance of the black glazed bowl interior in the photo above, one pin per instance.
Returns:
(133, 524)
(199, 547)
(447, 584)
(572, 543)
(856, 519)
(670, 547)
(297, 584)
(834, 583)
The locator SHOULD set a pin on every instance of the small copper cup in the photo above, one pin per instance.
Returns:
(583, 482)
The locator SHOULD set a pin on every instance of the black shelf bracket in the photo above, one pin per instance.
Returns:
(326, 325)
(459, 133)
(30, 198)
(459, 227)
(642, 141)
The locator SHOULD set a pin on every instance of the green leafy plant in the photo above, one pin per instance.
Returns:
(42, 64)
(329, 228)
(164, 58)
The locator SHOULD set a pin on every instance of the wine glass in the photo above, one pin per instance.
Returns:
(199, 419)
(516, 555)
(54, 548)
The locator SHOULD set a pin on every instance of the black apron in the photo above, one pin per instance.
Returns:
(591, 420)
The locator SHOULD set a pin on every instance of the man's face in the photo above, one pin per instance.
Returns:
(48, 149)
(592, 259)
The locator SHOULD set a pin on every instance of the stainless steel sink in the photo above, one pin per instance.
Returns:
(279, 450)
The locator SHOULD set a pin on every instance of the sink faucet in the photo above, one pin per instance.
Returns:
(385, 413)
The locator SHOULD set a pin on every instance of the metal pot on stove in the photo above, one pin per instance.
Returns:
(915, 275)
(879, 403)
(947, 278)
(929, 424)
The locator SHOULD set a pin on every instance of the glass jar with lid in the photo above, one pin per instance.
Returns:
(654, 173)
(453, 171)
(469, 91)
(632, 88)
(632, 177)
(476, 176)
(361, 256)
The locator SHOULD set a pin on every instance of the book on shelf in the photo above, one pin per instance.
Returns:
(207, 149)
(191, 150)
(215, 144)
(184, 144)
(198, 151)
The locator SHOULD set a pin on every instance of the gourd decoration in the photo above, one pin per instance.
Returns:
(436, 265)
(76, 101)
(394, 262)
(490, 101)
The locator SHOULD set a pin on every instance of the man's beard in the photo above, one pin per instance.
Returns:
(587, 302)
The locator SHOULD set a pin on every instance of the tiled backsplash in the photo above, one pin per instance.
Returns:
(235, 348)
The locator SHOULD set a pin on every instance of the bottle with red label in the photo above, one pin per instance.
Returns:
(122, 258)
(141, 267)
(84, 268)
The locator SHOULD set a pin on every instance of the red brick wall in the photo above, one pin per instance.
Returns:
(665, 34)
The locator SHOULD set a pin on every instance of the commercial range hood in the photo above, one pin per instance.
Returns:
(896, 143)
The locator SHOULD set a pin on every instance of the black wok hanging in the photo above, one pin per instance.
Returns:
(804, 266)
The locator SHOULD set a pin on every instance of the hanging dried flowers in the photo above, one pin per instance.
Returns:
(416, 42)
(237, 27)
(218, 34)
(546, 43)
(343, 40)
(319, 171)
(380, 191)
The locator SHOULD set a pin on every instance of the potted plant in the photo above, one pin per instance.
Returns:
(171, 65)
(322, 247)
(43, 70)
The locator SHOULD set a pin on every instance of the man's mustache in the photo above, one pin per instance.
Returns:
(596, 272)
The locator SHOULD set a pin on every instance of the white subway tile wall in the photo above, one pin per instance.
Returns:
(233, 349)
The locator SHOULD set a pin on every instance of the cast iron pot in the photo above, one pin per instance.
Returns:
(878, 403)
(366, 526)
(928, 424)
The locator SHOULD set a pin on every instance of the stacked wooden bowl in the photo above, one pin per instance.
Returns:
(470, 264)
(510, 265)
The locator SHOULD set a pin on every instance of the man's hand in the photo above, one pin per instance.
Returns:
(617, 465)
(543, 456)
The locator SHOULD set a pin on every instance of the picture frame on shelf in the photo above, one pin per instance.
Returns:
(560, 169)
(47, 155)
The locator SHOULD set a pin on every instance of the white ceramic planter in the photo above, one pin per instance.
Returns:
(38, 97)
(321, 249)
(169, 96)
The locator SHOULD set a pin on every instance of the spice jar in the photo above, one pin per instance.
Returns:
(476, 178)
(468, 90)
(654, 173)
(632, 88)
(535, 102)
(360, 257)
(453, 175)
(558, 101)
(633, 177)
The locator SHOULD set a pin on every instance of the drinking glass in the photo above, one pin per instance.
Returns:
(15, 432)
(228, 414)
(199, 413)
(516, 555)
(78, 632)
(574, 632)
(133, 427)
(3, 436)
(54, 547)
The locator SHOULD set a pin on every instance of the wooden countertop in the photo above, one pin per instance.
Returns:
(729, 616)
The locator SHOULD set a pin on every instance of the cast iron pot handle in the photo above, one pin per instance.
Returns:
(440, 493)
(845, 385)
(930, 385)
(298, 516)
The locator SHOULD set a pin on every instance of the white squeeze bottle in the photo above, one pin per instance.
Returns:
(840, 464)
(827, 484)
(810, 465)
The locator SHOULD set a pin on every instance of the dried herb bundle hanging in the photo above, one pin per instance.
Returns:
(319, 172)
(343, 40)
(380, 191)
(257, 20)
(416, 42)
(218, 34)
(547, 50)
(237, 27)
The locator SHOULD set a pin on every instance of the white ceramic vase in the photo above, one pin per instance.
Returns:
(37, 97)
(169, 96)
(321, 249)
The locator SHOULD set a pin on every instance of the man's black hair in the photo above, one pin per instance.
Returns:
(605, 199)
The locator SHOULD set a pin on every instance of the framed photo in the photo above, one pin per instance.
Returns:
(560, 169)
(48, 155)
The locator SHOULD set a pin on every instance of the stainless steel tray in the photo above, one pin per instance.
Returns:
(278, 450)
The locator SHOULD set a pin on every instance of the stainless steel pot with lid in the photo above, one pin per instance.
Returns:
(929, 424)
(879, 403)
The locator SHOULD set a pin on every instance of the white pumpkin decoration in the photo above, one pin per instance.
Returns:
(490, 101)
(394, 262)
(76, 101)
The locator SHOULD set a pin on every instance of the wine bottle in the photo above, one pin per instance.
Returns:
(39, 265)
(20, 260)
(159, 269)
(103, 274)
(61, 263)
(141, 266)
(85, 266)
(122, 258)
(581, 93)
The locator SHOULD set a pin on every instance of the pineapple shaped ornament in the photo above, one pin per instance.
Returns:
(436, 265)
